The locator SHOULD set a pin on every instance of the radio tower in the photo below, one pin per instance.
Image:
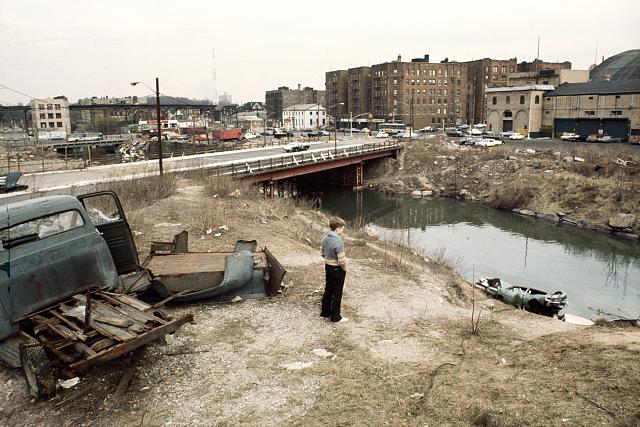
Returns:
(214, 77)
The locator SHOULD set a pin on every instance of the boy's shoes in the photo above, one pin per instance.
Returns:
(343, 320)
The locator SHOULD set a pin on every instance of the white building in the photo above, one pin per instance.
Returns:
(304, 116)
(50, 117)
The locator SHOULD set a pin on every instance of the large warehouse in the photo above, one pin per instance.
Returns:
(609, 103)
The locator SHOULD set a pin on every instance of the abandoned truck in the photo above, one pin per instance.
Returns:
(58, 310)
(64, 264)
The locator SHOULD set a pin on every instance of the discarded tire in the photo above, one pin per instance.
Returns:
(37, 370)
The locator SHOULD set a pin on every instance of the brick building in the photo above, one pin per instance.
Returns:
(483, 74)
(279, 99)
(434, 92)
(337, 92)
(538, 64)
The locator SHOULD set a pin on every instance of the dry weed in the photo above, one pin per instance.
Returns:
(515, 194)
(140, 192)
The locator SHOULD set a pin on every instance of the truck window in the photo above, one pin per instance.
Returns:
(40, 228)
(101, 209)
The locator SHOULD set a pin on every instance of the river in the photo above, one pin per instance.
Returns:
(599, 273)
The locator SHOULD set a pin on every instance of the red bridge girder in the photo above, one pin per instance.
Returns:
(276, 175)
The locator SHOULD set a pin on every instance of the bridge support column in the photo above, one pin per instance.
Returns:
(359, 177)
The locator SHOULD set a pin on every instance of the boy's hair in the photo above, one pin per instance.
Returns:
(335, 222)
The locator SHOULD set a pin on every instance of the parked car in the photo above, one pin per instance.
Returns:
(488, 142)
(492, 135)
(249, 135)
(268, 132)
(382, 134)
(427, 129)
(468, 141)
(570, 136)
(295, 146)
(323, 132)
(454, 133)
(634, 139)
(475, 132)
(516, 136)
(507, 134)
(602, 138)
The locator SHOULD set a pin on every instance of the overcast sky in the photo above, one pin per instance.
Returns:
(90, 48)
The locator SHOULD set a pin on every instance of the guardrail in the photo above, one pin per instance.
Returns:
(287, 161)
(44, 158)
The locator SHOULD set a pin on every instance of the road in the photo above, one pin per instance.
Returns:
(49, 180)
(558, 144)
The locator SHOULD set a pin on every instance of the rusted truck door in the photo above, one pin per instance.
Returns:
(106, 213)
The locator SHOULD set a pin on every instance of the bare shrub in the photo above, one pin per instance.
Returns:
(515, 194)
(140, 192)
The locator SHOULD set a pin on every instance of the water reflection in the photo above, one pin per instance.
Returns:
(595, 269)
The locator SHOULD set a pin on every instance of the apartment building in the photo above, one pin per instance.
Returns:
(279, 99)
(419, 92)
(359, 88)
(337, 92)
(50, 116)
(483, 74)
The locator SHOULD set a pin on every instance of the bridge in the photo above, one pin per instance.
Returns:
(267, 166)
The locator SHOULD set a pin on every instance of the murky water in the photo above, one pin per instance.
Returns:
(600, 274)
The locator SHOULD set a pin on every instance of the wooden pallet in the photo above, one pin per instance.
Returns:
(92, 328)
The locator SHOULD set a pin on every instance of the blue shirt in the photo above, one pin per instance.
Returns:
(333, 249)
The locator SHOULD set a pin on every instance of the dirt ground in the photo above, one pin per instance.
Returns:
(405, 357)
(583, 183)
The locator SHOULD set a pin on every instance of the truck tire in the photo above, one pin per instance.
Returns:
(37, 370)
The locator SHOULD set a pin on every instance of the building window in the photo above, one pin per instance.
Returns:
(57, 106)
(40, 106)
(537, 99)
(49, 107)
(495, 69)
(546, 112)
(50, 116)
(43, 116)
(616, 112)
(507, 100)
(504, 69)
(494, 100)
(617, 96)
(590, 113)
(521, 99)
(43, 125)
(59, 124)
(52, 124)
(591, 97)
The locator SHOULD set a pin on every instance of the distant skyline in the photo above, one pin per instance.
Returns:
(84, 49)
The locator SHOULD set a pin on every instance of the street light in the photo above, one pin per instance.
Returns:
(410, 104)
(351, 117)
(335, 129)
(158, 119)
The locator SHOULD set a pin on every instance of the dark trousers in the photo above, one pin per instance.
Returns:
(332, 297)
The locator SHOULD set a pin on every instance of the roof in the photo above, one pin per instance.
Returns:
(25, 210)
(543, 88)
(623, 66)
(302, 107)
(597, 88)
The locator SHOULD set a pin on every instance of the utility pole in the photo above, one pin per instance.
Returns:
(159, 125)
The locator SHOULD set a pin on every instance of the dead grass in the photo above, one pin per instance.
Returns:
(515, 194)
(137, 193)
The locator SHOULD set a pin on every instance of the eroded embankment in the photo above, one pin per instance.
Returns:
(583, 186)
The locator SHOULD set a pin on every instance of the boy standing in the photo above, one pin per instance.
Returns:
(335, 267)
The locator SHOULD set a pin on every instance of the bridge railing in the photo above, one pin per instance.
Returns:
(301, 158)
